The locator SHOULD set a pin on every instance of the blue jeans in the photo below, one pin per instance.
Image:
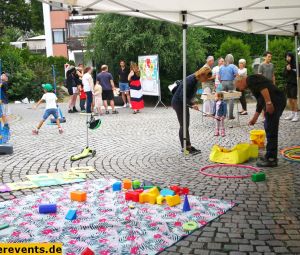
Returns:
(89, 100)
(228, 86)
(49, 112)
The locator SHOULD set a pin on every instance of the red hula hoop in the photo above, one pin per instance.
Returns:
(203, 169)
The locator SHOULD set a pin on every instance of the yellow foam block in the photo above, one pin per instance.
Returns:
(238, 154)
(149, 196)
(173, 200)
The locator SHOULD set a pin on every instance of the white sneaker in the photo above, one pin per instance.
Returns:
(125, 105)
(291, 116)
(296, 118)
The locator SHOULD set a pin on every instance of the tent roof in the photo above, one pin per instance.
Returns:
(251, 16)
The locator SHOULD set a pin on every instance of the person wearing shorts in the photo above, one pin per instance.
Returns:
(290, 75)
(123, 83)
(105, 79)
(51, 108)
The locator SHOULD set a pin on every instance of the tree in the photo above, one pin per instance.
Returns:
(37, 18)
(12, 34)
(115, 37)
(217, 37)
(279, 47)
(237, 48)
(15, 13)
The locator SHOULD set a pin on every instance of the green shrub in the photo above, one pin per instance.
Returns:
(28, 71)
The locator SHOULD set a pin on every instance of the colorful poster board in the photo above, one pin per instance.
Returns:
(149, 75)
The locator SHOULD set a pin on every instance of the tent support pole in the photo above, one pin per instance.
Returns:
(184, 29)
(297, 62)
(267, 42)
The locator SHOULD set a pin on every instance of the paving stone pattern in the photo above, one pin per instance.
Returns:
(266, 219)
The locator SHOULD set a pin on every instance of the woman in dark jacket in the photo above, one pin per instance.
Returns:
(201, 75)
(290, 75)
(72, 83)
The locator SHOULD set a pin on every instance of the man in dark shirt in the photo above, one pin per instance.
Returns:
(123, 83)
(272, 101)
(105, 79)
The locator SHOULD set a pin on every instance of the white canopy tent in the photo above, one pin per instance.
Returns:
(274, 17)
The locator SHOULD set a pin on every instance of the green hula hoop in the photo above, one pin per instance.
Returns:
(190, 226)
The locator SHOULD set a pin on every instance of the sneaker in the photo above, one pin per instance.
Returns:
(125, 105)
(60, 130)
(263, 162)
(106, 112)
(70, 111)
(83, 111)
(134, 112)
(130, 106)
(193, 150)
(35, 131)
(231, 118)
(290, 117)
(244, 113)
(296, 118)
(114, 112)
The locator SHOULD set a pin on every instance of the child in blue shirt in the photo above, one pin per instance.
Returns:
(219, 111)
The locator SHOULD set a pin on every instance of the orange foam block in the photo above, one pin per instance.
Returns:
(126, 184)
(79, 196)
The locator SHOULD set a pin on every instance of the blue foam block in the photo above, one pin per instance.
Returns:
(47, 208)
(117, 186)
(71, 215)
(167, 192)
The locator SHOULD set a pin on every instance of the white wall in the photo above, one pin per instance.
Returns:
(48, 30)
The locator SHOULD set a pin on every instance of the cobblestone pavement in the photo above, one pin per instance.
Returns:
(266, 219)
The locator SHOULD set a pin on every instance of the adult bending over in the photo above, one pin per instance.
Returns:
(201, 75)
(272, 101)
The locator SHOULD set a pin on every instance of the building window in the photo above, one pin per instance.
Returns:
(54, 6)
(79, 29)
(59, 35)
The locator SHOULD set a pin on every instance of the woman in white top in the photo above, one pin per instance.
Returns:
(242, 71)
(88, 86)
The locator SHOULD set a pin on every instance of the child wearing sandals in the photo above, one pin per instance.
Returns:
(219, 111)
(51, 108)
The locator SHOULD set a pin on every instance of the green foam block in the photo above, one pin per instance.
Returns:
(258, 177)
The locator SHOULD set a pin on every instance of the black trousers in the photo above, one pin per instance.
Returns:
(243, 100)
(179, 112)
(89, 100)
(271, 125)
